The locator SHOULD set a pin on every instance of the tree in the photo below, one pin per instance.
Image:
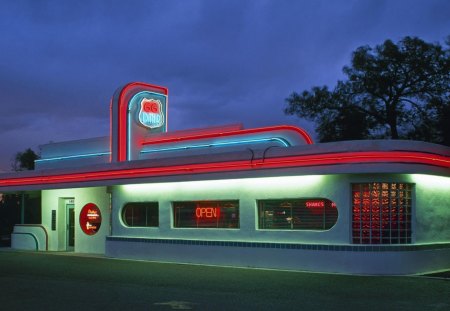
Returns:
(24, 160)
(392, 91)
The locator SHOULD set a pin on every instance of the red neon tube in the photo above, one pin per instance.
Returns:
(125, 95)
(243, 165)
(306, 137)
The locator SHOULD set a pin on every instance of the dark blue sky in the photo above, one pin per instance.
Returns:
(223, 61)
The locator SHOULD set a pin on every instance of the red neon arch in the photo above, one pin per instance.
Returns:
(119, 125)
(121, 100)
(298, 131)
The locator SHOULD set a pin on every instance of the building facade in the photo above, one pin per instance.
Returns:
(266, 197)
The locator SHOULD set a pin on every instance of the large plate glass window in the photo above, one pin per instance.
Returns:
(381, 213)
(297, 214)
(206, 214)
(141, 214)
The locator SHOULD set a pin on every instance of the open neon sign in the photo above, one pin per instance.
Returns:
(207, 213)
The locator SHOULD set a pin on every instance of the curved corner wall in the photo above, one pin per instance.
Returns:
(29, 237)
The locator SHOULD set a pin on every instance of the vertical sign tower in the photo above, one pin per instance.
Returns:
(137, 110)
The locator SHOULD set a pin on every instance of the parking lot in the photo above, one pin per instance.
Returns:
(52, 281)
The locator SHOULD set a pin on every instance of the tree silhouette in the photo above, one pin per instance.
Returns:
(392, 91)
(24, 160)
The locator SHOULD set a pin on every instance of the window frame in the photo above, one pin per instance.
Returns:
(147, 205)
(301, 204)
(206, 225)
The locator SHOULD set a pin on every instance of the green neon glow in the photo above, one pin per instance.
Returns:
(285, 183)
(432, 182)
(246, 190)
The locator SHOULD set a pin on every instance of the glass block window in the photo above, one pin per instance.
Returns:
(297, 214)
(381, 213)
(206, 214)
(141, 214)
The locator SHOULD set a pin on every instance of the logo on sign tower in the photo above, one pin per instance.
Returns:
(150, 113)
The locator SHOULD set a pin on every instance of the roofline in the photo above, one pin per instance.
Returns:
(432, 158)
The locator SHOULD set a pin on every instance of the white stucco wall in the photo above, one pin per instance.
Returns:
(432, 208)
(54, 199)
(247, 191)
(430, 219)
(29, 237)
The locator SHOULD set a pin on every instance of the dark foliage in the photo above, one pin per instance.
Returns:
(398, 91)
(24, 160)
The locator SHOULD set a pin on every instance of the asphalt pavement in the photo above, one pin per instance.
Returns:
(58, 281)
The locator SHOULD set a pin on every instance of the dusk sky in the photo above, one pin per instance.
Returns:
(223, 61)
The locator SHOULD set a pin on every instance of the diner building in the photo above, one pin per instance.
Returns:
(263, 197)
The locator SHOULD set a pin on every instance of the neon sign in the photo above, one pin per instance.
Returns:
(315, 204)
(124, 108)
(318, 206)
(207, 212)
(151, 113)
(90, 219)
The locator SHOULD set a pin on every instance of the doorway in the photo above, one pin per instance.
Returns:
(70, 224)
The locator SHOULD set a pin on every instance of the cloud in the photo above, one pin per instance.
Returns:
(223, 61)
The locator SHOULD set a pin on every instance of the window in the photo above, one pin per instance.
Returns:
(206, 214)
(297, 214)
(141, 214)
(381, 213)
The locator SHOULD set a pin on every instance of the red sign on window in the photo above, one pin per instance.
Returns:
(90, 219)
(207, 212)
